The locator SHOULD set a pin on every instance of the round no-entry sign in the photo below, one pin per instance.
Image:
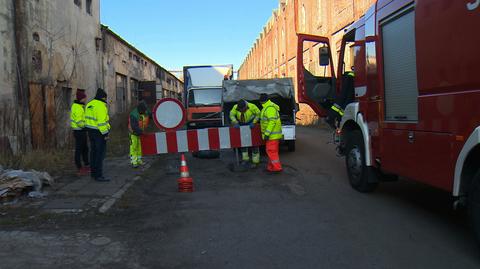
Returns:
(169, 114)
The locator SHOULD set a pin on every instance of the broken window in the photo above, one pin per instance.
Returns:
(37, 60)
(78, 3)
(121, 89)
(134, 88)
(89, 6)
(36, 36)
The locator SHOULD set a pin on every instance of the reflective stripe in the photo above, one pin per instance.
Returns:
(267, 132)
(337, 109)
(275, 118)
(92, 127)
(90, 118)
(275, 161)
(103, 124)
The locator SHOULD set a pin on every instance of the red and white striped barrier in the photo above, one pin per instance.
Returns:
(201, 139)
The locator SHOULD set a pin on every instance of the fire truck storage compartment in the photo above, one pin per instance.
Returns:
(279, 90)
(399, 67)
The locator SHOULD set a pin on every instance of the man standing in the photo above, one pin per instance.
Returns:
(137, 122)
(271, 132)
(96, 121)
(77, 123)
(245, 113)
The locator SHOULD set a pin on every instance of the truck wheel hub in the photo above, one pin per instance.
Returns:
(355, 163)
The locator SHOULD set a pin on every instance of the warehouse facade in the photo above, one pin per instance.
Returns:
(50, 50)
(273, 54)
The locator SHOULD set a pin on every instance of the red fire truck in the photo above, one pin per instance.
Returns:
(406, 96)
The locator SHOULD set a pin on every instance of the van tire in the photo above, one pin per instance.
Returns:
(362, 178)
(474, 205)
(291, 145)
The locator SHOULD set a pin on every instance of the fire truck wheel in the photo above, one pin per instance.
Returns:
(474, 204)
(361, 176)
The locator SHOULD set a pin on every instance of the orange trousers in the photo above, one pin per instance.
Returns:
(274, 164)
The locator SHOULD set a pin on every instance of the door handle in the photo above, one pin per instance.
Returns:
(411, 137)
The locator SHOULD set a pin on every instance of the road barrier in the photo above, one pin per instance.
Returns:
(202, 139)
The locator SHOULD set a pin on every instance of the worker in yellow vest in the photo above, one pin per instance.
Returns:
(137, 123)
(245, 113)
(98, 126)
(77, 123)
(271, 132)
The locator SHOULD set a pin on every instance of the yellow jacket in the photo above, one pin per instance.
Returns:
(77, 116)
(250, 116)
(96, 116)
(270, 121)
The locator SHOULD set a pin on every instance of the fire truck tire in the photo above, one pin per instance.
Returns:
(362, 178)
(474, 205)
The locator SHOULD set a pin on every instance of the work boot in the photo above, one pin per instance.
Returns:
(102, 179)
(81, 172)
(87, 169)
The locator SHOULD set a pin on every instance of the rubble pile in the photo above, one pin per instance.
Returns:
(14, 183)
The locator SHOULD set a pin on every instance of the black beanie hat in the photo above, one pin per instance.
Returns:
(241, 104)
(100, 94)
(263, 97)
(142, 107)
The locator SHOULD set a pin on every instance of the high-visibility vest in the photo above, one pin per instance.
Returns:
(270, 122)
(251, 115)
(96, 116)
(77, 116)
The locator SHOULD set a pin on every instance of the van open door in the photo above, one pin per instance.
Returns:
(315, 73)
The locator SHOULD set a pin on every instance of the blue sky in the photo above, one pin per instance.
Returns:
(188, 32)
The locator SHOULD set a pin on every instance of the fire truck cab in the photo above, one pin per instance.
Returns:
(406, 96)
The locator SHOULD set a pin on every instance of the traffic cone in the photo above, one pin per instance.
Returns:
(185, 182)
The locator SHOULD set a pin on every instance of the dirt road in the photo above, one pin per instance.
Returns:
(307, 217)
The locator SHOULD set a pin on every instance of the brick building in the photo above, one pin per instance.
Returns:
(273, 54)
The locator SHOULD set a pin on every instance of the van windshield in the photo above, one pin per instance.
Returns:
(205, 97)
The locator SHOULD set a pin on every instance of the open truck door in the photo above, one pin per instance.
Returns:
(315, 73)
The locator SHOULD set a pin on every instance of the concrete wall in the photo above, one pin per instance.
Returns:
(50, 49)
(273, 54)
(121, 58)
(10, 120)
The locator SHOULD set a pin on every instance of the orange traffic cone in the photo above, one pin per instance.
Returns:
(185, 182)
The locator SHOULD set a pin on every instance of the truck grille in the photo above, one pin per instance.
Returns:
(198, 116)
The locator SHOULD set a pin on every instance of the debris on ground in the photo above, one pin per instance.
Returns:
(14, 183)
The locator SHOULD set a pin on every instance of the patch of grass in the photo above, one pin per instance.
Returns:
(53, 161)
(58, 161)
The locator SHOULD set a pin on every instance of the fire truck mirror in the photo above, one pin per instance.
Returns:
(324, 54)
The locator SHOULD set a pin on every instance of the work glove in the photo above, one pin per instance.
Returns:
(252, 125)
(236, 126)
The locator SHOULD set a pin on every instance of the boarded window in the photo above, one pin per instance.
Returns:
(134, 88)
(89, 6)
(121, 90)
